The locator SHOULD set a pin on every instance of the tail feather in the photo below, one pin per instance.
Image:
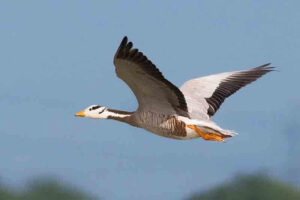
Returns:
(229, 133)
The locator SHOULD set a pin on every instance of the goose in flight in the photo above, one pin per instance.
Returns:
(166, 110)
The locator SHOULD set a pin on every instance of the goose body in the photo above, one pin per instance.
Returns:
(166, 110)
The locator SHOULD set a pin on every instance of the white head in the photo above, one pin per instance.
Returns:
(94, 111)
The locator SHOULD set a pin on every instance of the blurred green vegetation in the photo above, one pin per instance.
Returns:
(44, 189)
(250, 187)
(242, 187)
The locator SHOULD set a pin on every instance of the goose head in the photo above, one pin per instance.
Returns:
(94, 111)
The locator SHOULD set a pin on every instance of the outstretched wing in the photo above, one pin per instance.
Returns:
(205, 95)
(153, 92)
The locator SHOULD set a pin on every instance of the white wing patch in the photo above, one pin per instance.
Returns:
(196, 90)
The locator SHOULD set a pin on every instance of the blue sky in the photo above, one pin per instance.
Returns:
(56, 59)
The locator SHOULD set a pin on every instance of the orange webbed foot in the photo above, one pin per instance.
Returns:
(208, 136)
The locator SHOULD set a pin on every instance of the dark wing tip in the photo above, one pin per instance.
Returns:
(266, 68)
(124, 41)
(120, 52)
(125, 44)
(267, 64)
(129, 45)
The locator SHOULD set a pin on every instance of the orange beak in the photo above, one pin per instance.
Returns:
(80, 114)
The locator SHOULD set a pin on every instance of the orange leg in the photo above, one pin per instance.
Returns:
(208, 136)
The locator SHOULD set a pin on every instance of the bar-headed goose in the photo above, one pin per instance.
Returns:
(164, 109)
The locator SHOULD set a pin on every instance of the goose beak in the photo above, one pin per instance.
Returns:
(80, 114)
